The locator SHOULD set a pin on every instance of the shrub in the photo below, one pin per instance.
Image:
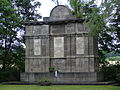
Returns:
(118, 77)
(9, 76)
(44, 82)
(51, 69)
(111, 72)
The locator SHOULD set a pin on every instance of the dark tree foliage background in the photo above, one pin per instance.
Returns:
(12, 14)
(109, 38)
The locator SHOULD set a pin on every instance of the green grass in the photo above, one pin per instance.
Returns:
(58, 87)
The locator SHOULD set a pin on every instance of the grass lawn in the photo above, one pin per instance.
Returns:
(58, 87)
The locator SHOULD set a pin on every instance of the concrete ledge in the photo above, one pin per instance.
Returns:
(63, 77)
(81, 83)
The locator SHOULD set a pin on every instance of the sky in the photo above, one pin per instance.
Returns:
(48, 5)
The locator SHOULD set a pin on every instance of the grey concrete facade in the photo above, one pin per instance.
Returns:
(60, 41)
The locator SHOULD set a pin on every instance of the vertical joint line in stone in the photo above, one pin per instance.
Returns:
(49, 46)
(88, 54)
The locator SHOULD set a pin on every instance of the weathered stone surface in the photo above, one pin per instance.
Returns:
(43, 29)
(44, 47)
(86, 51)
(59, 64)
(37, 46)
(37, 29)
(64, 46)
(80, 28)
(73, 45)
(29, 47)
(68, 66)
(37, 65)
(65, 77)
(82, 65)
(70, 28)
(60, 13)
(92, 65)
(29, 30)
(58, 47)
(68, 46)
(57, 29)
(79, 45)
(91, 46)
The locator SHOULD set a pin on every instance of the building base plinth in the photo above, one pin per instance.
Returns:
(63, 77)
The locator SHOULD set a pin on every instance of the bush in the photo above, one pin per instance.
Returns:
(118, 77)
(9, 76)
(44, 82)
(51, 69)
(111, 72)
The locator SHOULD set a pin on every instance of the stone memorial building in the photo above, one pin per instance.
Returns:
(61, 43)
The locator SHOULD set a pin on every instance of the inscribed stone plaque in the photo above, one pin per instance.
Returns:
(79, 45)
(59, 47)
(37, 46)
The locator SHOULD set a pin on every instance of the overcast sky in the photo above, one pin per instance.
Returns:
(48, 5)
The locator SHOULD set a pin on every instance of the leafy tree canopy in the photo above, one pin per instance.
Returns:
(12, 13)
(102, 21)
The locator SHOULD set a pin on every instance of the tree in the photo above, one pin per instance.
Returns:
(109, 38)
(77, 7)
(27, 9)
(90, 12)
(56, 2)
(12, 14)
(101, 21)
(9, 20)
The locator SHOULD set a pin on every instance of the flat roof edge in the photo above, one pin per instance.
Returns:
(55, 22)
